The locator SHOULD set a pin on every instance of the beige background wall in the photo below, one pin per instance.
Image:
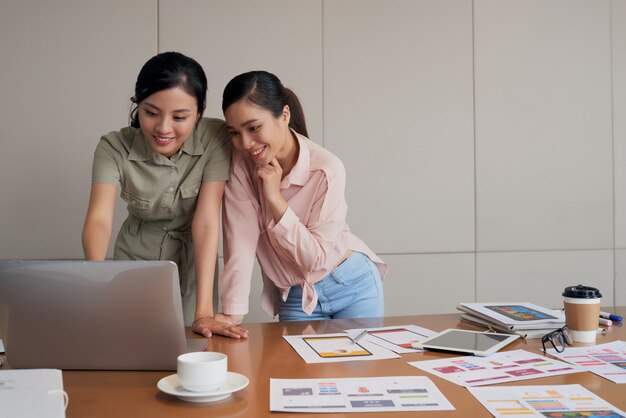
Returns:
(485, 140)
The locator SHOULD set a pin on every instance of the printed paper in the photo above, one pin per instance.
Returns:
(328, 348)
(395, 338)
(562, 401)
(506, 366)
(373, 394)
(606, 360)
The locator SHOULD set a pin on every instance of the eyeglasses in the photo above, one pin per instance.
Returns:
(559, 338)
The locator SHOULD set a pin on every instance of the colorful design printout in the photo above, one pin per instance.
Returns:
(506, 366)
(606, 360)
(562, 401)
(365, 394)
(327, 348)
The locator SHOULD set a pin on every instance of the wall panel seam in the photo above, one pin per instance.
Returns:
(612, 104)
(473, 17)
(158, 34)
(476, 253)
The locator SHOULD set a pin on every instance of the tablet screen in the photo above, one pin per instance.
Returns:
(473, 342)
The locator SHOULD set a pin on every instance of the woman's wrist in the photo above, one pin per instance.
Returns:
(201, 318)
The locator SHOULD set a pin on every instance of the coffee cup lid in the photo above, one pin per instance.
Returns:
(581, 292)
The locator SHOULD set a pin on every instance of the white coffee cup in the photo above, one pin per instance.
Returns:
(203, 371)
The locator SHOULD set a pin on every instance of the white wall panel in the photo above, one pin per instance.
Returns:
(618, 8)
(235, 36)
(540, 277)
(398, 112)
(68, 71)
(543, 125)
(428, 283)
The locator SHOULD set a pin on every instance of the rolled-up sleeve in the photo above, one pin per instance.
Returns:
(241, 235)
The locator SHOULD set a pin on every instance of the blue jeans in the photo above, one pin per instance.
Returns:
(352, 290)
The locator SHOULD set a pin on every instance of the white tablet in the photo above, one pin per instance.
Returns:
(477, 343)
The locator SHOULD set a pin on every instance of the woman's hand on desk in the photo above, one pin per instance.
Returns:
(225, 325)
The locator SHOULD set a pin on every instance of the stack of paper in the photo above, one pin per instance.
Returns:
(524, 319)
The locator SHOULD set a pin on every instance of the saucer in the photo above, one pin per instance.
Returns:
(234, 382)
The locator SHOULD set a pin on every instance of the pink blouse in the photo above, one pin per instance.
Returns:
(301, 249)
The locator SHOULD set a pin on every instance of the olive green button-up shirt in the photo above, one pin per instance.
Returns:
(160, 189)
(162, 193)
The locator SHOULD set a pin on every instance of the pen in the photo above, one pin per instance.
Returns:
(359, 337)
(604, 321)
(612, 317)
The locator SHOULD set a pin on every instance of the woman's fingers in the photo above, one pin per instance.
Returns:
(235, 331)
(208, 327)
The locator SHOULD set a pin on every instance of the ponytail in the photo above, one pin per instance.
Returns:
(297, 121)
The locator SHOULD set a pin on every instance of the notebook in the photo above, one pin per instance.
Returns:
(32, 393)
(92, 315)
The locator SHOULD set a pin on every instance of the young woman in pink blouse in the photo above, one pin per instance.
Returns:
(285, 204)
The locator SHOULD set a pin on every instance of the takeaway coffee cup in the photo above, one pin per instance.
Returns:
(203, 371)
(582, 311)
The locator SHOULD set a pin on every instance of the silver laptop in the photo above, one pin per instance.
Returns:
(92, 315)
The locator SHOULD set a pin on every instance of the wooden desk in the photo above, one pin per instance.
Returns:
(266, 354)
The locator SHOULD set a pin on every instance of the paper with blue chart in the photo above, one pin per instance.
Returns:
(363, 394)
